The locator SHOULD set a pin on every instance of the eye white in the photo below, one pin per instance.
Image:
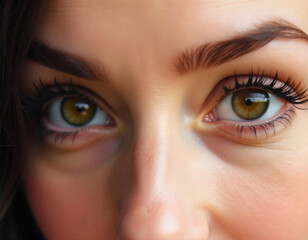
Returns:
(224, 109)
(55, 117)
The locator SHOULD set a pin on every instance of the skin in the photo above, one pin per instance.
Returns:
(162, 172)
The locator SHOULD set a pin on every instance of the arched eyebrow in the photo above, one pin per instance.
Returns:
(49, 56)
(217, 53)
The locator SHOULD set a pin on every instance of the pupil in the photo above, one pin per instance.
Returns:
(248, 102)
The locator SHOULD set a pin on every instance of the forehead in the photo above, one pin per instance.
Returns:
(144, 33)
(170, 19)
(210, 6)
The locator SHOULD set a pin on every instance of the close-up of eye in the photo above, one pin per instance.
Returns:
(64, 110)
(255, 103)
(73, 112)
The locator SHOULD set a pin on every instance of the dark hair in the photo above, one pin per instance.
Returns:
(18, 18)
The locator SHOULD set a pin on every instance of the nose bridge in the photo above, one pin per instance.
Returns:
(154, 139)
(151, 209)
(150, 155)
(154, 207)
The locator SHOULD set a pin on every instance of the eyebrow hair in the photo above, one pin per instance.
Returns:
(217, 53)
(57, 59)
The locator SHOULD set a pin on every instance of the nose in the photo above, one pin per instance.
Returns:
(161, 219)
(157, 205)
(158, 219)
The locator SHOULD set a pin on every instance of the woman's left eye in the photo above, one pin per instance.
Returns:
(73, 112)
(248, 105)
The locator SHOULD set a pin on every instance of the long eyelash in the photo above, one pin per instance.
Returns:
(45, 94)
(290, 91)
(284, 119)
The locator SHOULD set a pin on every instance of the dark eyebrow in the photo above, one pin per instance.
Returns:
(57, 59)
(217, 53)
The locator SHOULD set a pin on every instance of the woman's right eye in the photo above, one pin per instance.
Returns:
(75, 112)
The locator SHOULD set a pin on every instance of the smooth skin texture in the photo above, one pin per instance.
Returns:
(162, 172)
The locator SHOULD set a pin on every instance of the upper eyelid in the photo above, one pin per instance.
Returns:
(62, 90)
(290, 90)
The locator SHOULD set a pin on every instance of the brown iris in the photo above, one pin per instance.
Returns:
(250, 104)
(77, 111)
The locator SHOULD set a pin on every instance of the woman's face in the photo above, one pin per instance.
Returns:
(166, 120)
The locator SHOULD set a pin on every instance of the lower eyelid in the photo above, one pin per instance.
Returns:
(252, 130)
(91, 128)
(262, 130)
(77, 140)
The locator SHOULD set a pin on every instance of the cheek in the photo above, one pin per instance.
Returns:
(69, 194)
(270, 204)
(261, 192)
(74, 208)
(80, 160)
